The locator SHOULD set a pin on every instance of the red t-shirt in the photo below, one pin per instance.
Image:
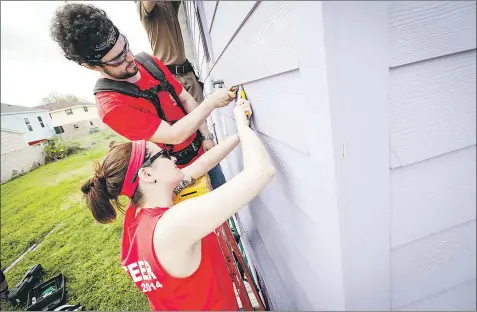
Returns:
(208, 288)
(136, 118)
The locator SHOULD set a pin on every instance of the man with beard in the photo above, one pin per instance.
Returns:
(88, 37)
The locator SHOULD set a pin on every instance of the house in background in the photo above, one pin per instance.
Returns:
(73, 120)
(33, 123)
(368, 110)
(12, 141)
(23, 128)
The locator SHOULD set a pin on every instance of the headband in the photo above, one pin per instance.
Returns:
(138, 153)
(100, 46)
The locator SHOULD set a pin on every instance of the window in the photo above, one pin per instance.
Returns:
(28, 124)
(59, 129)
(76, 126)
(85, 108)
(69, 111)
(41, 122)
(91, 123)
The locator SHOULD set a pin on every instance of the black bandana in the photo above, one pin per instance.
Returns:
(101, 46)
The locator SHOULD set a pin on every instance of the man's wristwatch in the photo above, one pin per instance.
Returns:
(209, 136)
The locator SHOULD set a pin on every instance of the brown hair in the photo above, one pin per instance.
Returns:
(102, 190)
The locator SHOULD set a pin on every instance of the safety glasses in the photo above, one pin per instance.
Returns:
(164, 153)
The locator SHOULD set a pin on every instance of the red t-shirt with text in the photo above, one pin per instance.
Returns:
(208, 288)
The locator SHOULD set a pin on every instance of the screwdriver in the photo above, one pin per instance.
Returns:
(236, 89)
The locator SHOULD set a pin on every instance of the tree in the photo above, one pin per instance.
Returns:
(55, 97)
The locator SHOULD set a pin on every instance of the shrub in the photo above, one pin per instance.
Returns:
(56, 148)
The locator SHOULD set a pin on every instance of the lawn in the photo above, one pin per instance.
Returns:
(86, 252)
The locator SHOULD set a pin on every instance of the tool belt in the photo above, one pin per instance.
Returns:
(184, 69)
(181, 69)
(185, 155)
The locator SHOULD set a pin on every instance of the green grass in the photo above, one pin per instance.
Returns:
(86, 252)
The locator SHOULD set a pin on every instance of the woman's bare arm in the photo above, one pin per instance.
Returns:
(188, 222)
(209, 159)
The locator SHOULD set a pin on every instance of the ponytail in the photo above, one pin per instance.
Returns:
(101, 192)
(98, 201)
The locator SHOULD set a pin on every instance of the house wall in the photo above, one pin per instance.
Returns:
(11, 141)
(286, 228)
(82, 128)
(432, 134)
(16, 122)
(368, 112)
(60, 117)
(21, 161)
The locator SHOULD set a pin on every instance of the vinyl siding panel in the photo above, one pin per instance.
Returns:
(433, 195)
(282, 96)
(433, 155)
(433, 264)
(421, 30)
(229, 16)
(459, 298)
(265, 45)
(433, 108)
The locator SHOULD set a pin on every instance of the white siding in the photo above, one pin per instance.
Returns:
(12, 141)
(21, 161)
(433, 154)
(16, 122)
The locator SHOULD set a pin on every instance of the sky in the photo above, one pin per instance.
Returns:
(32, 65)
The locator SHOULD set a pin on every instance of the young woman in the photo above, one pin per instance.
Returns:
(171, 251)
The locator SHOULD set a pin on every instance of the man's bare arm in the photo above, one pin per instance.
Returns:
(190, 104)
(186, 126)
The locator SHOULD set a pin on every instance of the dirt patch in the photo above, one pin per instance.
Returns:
(66, 175)
(71, 200)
